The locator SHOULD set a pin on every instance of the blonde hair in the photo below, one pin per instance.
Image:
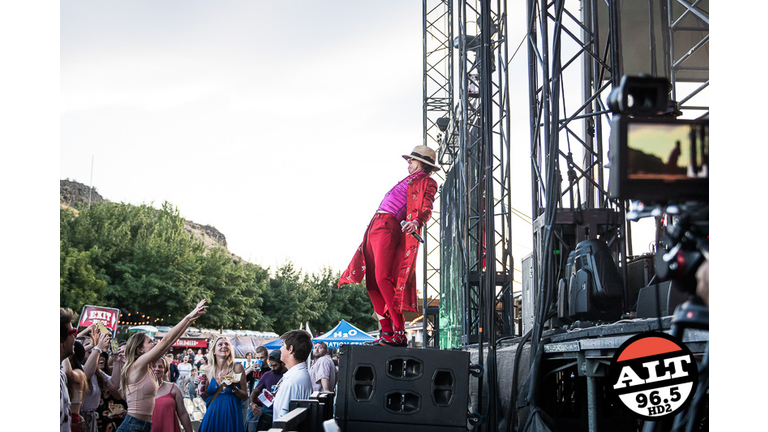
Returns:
(211, 368)
(133, 344)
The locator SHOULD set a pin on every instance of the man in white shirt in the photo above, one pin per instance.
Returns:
(295, 384)
(323, 371)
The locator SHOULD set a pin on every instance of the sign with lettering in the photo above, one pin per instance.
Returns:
(184, 342)
(93, 314)
(344, 334)
(654, 375)
(191, 343)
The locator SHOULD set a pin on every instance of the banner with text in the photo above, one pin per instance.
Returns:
(107, 316)
(191, 343)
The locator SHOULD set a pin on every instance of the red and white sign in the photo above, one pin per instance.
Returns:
(92, 314)
(191, 343)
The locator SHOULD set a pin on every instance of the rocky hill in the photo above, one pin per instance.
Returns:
(73, 194)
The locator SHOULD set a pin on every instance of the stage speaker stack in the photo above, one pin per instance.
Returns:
(402, 389)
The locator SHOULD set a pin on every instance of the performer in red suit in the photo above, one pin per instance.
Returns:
(387, 256)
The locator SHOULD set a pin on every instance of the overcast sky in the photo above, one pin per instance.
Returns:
(282, 124)
(279, 123)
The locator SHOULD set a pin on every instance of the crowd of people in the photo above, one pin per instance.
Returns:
(143, 386)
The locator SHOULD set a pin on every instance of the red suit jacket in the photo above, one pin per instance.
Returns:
(420, 196)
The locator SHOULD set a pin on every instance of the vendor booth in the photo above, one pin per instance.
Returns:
(343, 334)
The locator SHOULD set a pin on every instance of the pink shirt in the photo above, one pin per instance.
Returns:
(394, 200)
(141, 395)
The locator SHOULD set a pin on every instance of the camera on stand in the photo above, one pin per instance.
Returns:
(661, 164)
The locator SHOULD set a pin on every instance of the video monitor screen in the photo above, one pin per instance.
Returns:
(667, 151)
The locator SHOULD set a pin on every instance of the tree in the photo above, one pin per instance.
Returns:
(138, 258)
(289, 302)
(350, 302)
(78, 285)
(234, 290)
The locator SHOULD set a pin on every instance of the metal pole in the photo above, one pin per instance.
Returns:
(90, 188)
(592, 403)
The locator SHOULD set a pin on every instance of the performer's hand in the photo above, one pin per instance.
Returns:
(410, 227)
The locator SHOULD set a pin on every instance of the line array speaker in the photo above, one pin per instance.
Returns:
(382, 387)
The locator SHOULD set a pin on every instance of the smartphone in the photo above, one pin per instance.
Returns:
(113, 346)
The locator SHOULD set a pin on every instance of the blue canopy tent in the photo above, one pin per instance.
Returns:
(273, 345)
(343, 333)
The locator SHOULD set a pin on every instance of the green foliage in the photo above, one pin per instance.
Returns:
(78, 284)
(295, 299)
(350, 302)
(289, 302)
(141, 259)
(234, 291)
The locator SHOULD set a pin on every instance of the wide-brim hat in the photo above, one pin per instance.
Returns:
(424, 154)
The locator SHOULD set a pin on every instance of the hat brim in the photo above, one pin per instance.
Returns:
(406, 157)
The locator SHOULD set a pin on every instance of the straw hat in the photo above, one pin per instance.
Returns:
(424, 154)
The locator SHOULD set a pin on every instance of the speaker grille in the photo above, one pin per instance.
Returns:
(402, 402)
(364, 382)
(443, 388)
(405, 368)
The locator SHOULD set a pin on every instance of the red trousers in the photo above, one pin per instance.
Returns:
(383, 251)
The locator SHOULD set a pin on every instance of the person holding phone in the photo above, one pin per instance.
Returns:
(137, 382)
(260, 412)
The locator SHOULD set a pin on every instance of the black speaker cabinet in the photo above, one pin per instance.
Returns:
(660, 298)
(388, 388)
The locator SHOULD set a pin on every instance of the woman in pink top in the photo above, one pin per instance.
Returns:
(137, 382)
(169, 403)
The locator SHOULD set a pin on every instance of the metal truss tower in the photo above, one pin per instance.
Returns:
(475, 226)
(472, 137)
(483, 171)
(576, 55)
(438, 90)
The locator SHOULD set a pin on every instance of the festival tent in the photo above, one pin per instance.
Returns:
(344, 333)
(275, 344)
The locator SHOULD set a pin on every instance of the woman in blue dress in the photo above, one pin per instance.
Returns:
(224, 389)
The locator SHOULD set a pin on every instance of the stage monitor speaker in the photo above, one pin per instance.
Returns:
(662, 298)
(640, 273)
(386, 388)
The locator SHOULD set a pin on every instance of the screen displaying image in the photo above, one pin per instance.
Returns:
(667, 151)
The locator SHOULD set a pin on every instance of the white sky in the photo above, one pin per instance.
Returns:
(279, 123)
(49, 108)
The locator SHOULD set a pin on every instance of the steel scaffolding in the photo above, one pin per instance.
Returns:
(438, 104)
(578, 45)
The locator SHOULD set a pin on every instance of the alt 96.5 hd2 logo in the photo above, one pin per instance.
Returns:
(654, 375)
